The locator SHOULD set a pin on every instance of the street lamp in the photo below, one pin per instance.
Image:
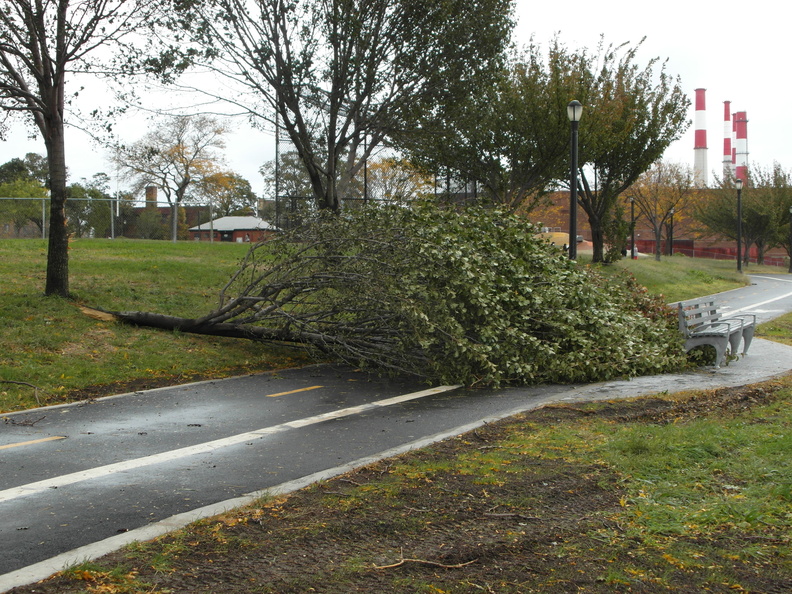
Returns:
(633, 252)
(574, 111)
(671, 232)
(790, 239)
(739, 183)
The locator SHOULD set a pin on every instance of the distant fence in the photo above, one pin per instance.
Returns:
(687, 247)
(720, 254)
(88, 217)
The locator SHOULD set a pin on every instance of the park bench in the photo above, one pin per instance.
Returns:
(702, 322)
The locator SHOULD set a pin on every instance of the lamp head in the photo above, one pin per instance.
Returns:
(574, 110)
(738, 183)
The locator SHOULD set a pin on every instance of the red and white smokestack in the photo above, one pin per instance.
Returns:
(700, 148)
(741, 148)
(734, 141)
(728, 169)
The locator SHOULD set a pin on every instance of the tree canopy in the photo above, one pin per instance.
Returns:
(513, 137)
(228, 193)
(342, 76)
(766, 201)
(632, 114)
(510, 137)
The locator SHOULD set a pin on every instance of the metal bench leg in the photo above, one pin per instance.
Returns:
(720, 352)
(734, 342)
(748, 335)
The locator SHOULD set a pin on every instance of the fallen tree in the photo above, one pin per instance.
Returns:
(473, 297)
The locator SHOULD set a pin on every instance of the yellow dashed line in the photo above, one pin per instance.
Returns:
(294, 391)
(25, 443)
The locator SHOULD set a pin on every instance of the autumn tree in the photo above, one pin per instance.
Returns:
(228, 193)
(176, 157)
(341, 75)
(42, 44)
(664, 191)
(390, 179)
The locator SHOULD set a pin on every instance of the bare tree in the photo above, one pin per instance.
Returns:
(176, 157)
(43, 42)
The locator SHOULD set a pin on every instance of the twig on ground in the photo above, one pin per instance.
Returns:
(25, 423)
(424, 562)
(35, 388)
(565, 407)
(522, 517)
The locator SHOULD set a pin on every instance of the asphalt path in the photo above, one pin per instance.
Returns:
(77, 481)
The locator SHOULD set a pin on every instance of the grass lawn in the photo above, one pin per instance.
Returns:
(678, 277)
(57, 354)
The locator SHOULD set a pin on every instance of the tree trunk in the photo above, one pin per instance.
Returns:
(598, 242)
(58, 249)
(192, 326)
(658, 233)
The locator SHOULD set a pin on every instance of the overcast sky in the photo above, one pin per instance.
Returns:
(738, 52)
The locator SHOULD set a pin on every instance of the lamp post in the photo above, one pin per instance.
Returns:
(671, 232)
(574, 111)
(790, 239)
(739, 183)
(633, 252)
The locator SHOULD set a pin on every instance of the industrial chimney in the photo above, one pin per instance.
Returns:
(728, 163)
(700, 148)
(741, 148)
(151, 196)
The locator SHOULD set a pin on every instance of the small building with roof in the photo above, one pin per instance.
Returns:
(236, 229)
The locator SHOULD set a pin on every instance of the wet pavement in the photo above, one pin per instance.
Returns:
(764, 361)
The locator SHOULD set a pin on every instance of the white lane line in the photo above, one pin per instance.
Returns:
(772, 278)
(755, 305)
(209, 446)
